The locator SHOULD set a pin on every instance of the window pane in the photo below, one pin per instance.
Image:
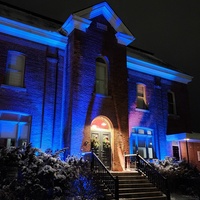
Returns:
(140, 90)
(8, 129)
(133, 147)
(16, 61)
(142, 142)
(141, 131)
(14, 78)
(141, 96)
(100, 72)
(171, 103)
(23, 130)
(142, 152)
(150, 152)
(15, 68)
(170, 97)
(10, 142)
(101, 77)
(171, 109)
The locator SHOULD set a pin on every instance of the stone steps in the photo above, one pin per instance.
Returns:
(134, 186)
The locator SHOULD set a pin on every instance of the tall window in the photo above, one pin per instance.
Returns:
(141, 96)
(15, 69)
(101, 76)
(141, 141)
(171, 103)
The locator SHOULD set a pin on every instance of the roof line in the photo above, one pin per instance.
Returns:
(30, 12)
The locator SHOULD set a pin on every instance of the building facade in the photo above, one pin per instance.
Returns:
(80, 85)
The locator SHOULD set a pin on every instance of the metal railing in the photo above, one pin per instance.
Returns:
(110, 182)
(157, 179)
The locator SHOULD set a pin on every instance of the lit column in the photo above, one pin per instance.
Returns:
(186, 142)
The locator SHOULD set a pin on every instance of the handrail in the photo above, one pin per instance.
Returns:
(151, 173)
(109, 181)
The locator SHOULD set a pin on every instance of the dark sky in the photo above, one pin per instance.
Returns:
(168, 28)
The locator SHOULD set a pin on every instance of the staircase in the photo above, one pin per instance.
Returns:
(134, 186)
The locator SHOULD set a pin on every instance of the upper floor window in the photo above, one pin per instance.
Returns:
(101, 76)
(171, 103)
(15, 69)
(141, 96)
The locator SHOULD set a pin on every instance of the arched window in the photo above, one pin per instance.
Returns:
(101, 77)
(100, 123)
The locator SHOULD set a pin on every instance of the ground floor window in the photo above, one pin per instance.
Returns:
(175, 150)
(141, 141)
(14, 129)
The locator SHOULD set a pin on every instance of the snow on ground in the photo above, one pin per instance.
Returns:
(175, 196)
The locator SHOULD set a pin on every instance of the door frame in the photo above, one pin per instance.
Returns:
(102, 151)
(95, 129)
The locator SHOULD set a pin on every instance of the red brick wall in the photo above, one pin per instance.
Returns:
(42, 96)
(193, 147)
(181, 122)
(85, 104)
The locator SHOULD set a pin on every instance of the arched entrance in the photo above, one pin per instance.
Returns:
(101, 139)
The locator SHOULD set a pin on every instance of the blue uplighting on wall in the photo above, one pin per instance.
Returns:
(76, 22)
(81, 21)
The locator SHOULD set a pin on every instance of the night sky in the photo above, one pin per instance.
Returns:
(168, 28)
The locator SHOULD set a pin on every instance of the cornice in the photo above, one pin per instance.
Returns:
(155, 70)
(77, 22)
(18, 29)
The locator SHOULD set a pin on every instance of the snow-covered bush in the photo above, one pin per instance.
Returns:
(43, 175)
(181, 176)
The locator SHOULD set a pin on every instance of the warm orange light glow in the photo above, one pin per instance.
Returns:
(100, 123)
(103, 124)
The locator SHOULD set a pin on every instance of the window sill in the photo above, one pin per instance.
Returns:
(102, 95)
(15, 88)
(142, 110)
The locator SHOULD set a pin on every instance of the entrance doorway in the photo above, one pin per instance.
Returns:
(175, 150)
(101, 140)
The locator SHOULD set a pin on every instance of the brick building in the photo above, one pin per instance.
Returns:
(81, 85)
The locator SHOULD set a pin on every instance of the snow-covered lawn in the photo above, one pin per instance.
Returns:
(175, 196)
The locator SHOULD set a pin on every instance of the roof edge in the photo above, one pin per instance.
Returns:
(18, 29)
(81, 20)
(156, 70)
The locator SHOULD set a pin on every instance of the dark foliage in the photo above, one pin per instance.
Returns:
(182, 177)
(28, 173)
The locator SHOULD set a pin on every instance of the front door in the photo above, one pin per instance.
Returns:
(101, 145)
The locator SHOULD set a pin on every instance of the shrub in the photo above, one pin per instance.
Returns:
(181, 176)
(43, 175)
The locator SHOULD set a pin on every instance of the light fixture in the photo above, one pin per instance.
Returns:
(103, 124)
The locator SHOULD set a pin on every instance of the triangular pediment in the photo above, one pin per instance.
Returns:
(81, 20)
